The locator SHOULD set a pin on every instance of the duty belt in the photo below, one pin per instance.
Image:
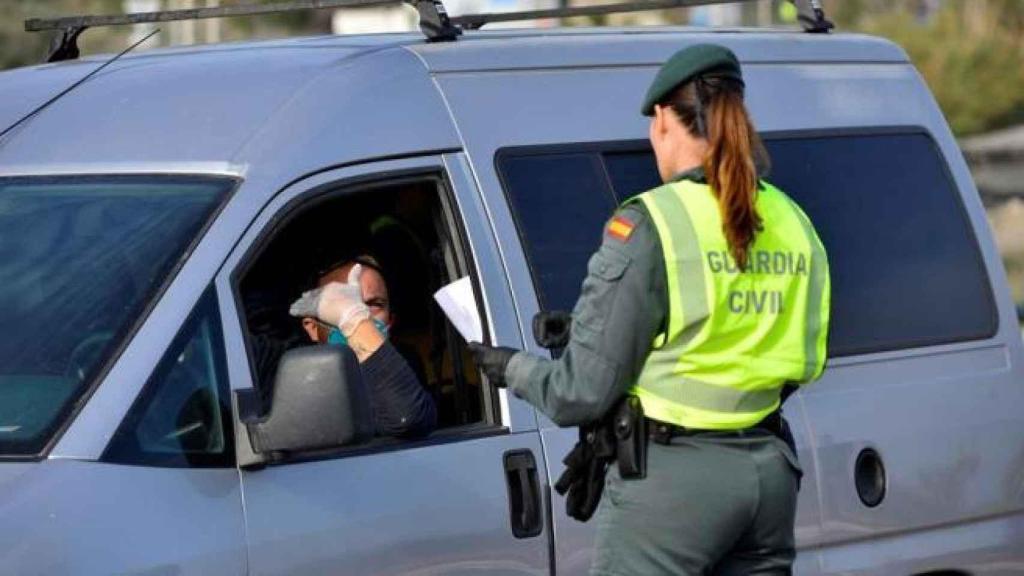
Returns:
(663, 433)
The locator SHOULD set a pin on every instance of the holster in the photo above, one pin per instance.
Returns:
(585, 468)
(620, 436)
(631, 438)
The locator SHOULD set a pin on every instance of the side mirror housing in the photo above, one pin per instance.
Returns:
(318, 402)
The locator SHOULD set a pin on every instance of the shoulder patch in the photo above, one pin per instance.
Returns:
(620, 228)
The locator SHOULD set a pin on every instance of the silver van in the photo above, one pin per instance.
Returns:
(156, 221)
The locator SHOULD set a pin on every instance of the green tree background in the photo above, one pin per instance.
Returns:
(971, 52)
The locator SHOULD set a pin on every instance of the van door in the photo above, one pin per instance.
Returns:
(467, 499)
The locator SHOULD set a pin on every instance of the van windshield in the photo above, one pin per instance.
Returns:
(80, 259)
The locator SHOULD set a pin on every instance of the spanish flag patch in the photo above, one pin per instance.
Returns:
(620, 228)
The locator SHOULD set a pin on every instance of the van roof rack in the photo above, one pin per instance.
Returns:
(809, 12)
(435, 23)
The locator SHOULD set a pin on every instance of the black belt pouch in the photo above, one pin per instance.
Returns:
(631, 438)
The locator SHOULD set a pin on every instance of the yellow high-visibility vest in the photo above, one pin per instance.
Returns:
(733, 337)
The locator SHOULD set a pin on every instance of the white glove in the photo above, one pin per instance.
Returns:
(337, 304)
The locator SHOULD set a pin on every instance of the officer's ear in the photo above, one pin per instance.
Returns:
(659, 122)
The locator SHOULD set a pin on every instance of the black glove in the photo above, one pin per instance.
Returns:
(493, 361)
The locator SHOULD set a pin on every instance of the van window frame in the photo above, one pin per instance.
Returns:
(347, 186)
(643, 145)
(230, 185)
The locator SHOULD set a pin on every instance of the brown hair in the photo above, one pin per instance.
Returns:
(712, 107)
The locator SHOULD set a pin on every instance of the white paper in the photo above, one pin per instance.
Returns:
(459, 304)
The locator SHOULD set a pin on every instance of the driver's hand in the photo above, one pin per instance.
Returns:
(337, 304)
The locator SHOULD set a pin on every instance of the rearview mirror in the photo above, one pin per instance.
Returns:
(318, 401)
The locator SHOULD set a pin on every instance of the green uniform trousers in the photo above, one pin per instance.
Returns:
(712, 503)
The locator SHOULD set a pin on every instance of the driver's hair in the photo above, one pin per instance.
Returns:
(366, 260)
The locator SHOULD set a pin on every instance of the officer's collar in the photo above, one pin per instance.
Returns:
(695, 174)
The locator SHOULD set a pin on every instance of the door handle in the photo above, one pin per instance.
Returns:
(524, 506)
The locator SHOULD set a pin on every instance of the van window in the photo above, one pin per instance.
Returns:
(906, 268)
(403, 235)
(572, 189)
(567, 193)
(183, 416)
(80, 259)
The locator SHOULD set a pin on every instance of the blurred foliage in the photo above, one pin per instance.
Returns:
(971, 53)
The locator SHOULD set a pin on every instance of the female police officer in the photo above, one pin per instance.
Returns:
(707, 296)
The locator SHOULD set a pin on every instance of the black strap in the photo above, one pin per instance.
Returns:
(663, 433)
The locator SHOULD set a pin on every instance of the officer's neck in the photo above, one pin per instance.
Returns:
(689, 153)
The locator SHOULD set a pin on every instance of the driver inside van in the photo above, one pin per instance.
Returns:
(350, 307)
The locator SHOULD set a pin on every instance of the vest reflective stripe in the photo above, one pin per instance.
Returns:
(682, 257)
(733, 338)
(712, 397)
(818, 304)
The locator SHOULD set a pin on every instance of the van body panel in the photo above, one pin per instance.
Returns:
(439, 509)
(24, 89)
(282, 112)
(400, 113)
(964, 401)
(91, 518)
(503, 317)
(989, 546)
(186, 108)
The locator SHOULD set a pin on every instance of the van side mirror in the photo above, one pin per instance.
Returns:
(551, 330)
(318, 401)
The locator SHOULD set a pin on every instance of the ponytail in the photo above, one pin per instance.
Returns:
(712, 107)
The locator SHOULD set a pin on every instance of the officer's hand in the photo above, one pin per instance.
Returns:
(493, 361)
(337, 304)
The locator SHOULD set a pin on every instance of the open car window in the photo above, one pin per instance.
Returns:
(402, 226)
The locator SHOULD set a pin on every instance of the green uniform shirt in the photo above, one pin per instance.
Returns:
(622, 307)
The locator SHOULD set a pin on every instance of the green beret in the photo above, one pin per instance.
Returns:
(687, 64)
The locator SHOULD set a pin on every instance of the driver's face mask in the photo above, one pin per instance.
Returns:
(336, 338)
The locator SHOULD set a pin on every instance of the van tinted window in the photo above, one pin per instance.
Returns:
(568, 194)
(906, 269)
(80, 259)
